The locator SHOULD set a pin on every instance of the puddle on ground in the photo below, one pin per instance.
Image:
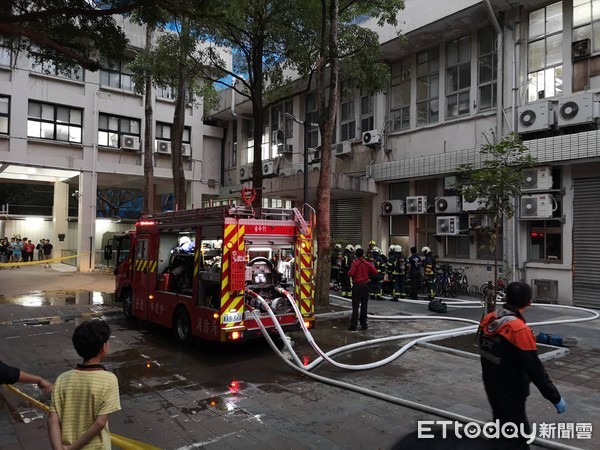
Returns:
(60, 298)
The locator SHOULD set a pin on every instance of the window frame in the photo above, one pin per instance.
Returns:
(56, 122)
(399, 109)
(347, 111)
(187, 132)
(367, 115)
(119, 131)
(458, 70)
(5, 54)
(481, 57)
(592, 22)
(47, 66)
(311, 115)
(549, 227)
(119, 69)
(5, 114)
(430, 69)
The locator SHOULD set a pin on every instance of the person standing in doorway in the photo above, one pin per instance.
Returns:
(360, 271)
(47, 249)
(509, 362)
(347, 258)
(414, 264)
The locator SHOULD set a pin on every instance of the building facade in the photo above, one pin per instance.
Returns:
(466, 73)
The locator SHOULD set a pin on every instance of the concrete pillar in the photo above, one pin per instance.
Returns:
(60, 214)
(86, 231)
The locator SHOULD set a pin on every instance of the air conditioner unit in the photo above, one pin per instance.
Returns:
(450, 204)
(163, 147)
(268, 168)
(342, 148)
(479, 221)
(246, 172)
(537, 179)
(536, 206)
(130, 142)
(577, 109)
(314, 154)
(536, 117)
(416, 204)
(186, 150)
(393, 208)
(475, 205)
(296, 169)
(371, 137)
(277, 137)
(447, 225)
(580, 49)
(314, 167)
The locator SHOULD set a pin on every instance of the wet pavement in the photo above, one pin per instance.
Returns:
(212, 396)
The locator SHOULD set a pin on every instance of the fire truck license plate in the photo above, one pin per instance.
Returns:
(232, 317)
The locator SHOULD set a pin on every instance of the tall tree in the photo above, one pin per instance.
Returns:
(494, 184)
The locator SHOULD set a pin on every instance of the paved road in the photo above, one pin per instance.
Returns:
(201, 396)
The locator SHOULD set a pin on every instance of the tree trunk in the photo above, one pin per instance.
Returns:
(147, 193)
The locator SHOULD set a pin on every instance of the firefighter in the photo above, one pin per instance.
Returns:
(397, 268)
(347, 258)
(369, 252)
(336, 263)
(414, 264)
(375, 287)
(429, 271)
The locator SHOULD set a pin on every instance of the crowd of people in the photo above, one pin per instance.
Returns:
(405, 273)
(23, 250)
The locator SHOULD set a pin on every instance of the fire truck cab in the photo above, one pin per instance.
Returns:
(200, 271)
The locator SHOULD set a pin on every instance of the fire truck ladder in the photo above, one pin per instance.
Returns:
(301, 222)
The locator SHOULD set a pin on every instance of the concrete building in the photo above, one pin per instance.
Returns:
(82, 132)
(469, 72)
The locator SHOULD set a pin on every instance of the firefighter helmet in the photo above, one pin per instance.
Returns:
(393, 248)
(338, 246)
(376, 250)
(425, 250)
(399, 249)
(350, 247)
(373, 243)
(357, 246)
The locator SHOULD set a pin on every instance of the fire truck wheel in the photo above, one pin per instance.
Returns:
(182, 326)
(128, 305)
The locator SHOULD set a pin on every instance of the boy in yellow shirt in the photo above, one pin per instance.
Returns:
(83, 397)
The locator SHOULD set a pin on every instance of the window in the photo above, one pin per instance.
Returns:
(40, 64)
(163, 132)
(428, 87)
(457, 246)
(485, 244)
(165, 92)
(544, 53)
(112, 129)
(311, 116)
(458, 77)
(116, 74)
(279, 121)
(401, 95)
(265, 152)
(586, 22)
(347, 115)
(367, 112)
(545, 241)
(5, 56)
(55, 122)
(487, 68)
(4, 114)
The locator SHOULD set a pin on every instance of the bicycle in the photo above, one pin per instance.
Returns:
(500, 290)
(444, 283)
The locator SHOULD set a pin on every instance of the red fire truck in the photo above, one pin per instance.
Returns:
(194, 270)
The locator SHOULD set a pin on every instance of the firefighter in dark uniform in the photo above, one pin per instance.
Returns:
(509, 361)
(397, 271)
(375, 286)
(369, 252)
(429, 271)
(347, 258)
(336, 263)
(414, 264)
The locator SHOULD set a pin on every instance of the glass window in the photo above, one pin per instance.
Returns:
(116, 74)
(163, 132)
(401, 95)
(311, 116)
(458, 77)
(457, 246)
(544, 53)
(113, 129)
(487, 68)
(428, 108)
(586, 22)
(367, 112)
(282, 124)
(5, 56)
(545, 241)
(46, 66)
(347, 112)
(485, 244)
(55, 122)
(4, 114)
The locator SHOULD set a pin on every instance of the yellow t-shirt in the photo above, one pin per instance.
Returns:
(79, 396)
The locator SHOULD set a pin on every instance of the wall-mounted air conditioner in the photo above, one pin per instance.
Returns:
(268, 168)
(186, 150)
(314, 154)
(536, 117)
(448, 204)
(130, 142)
(314, 167)
(580, 49)
(477, 221)
(537, 179)
(577, 109)
(295, 169)
(246, 172)
(163, 147)
(416, 204)
(342, 148)
(475, 205)
(447, 225)
(536, 206)
(371, 137)
(393, 208)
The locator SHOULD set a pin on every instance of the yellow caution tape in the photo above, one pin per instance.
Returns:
(122, 442)
(45, 261)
